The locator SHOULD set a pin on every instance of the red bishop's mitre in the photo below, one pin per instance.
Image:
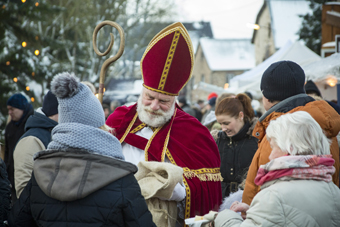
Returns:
(168, 60)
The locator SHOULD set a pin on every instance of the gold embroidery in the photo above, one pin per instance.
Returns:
(189, 43)
(168, 62)
(165, 147)
(128, 128)
(139, 127)
(204, 174)
(203, 170)
(187, 39)
(187, 188)
(149, 143)
(148, 48)
(156, 90)
(171, 159)
(187, 199)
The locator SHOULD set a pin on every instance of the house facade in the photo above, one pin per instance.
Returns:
(216, 62)
(279, 22)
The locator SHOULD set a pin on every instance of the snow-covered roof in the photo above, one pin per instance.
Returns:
(285, 19)
(332, 3)
(250, 80)
(228, 54)
(194, 39)
(329, 44)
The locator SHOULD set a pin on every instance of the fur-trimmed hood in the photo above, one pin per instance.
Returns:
(252, 126)
(72, 174)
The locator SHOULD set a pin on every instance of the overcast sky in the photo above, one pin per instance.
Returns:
(228, 18)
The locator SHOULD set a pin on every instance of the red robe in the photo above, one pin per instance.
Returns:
(186, 143)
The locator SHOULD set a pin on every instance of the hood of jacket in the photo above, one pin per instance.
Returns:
(253, 123)
(72, 174)
(321, 111)
(38, 120)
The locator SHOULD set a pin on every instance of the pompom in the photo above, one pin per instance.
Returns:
(64, 85)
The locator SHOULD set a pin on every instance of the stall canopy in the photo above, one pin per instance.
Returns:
(324, 68)
(250, 80)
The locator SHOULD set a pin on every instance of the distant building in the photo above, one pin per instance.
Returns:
(121, 89)
(198, 30)
(217, 61)
(279, 22)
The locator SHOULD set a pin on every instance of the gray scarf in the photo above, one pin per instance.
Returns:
(80, 136)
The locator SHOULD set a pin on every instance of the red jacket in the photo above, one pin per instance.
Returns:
(186, 143)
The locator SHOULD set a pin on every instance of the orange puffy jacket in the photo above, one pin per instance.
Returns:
(321, 111)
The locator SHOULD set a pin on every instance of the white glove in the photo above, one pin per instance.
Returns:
(179, 193)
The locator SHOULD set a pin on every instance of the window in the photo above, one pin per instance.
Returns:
(229, 77)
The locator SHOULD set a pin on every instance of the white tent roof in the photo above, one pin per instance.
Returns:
(250, 80)
(319, 70)
(209, 87)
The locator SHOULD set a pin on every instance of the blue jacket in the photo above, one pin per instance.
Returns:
(40, 126)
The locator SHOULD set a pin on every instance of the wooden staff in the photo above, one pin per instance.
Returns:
(108, 61)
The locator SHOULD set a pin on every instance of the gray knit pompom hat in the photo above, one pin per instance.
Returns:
(77, 104)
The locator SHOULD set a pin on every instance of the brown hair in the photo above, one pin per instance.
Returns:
(233, 106)
(223, 96)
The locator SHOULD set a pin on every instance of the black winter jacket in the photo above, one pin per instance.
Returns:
(5, 193)
(236, 154)
(93, 191)
(13, 132)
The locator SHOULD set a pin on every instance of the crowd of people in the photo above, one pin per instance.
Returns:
(159, 161)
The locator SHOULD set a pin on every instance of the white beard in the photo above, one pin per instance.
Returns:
(144, 114)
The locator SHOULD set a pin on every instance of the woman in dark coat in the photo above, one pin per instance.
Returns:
(235, 143)
(82, 178)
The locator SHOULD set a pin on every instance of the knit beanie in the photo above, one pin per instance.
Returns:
(282, 80)
(249, 94)
(211, 95)
(212, 101)
(310, 87)
(50, 104)
(77, 104)
(17, 101)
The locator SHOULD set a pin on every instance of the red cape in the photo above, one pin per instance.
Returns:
(188, 144)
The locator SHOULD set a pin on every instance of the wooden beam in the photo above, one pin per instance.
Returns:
(333, 18)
